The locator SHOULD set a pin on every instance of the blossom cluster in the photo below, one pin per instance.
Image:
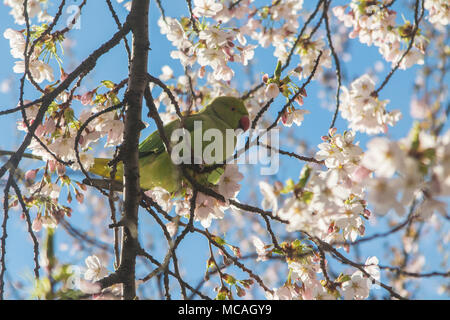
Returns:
(374, 24)
(215, 46)
(207, 207)
(416, 167)
(39, 70)
(35, 8)
(363, 110)
(306, 286)
(54, 141)
(327, 204)
(439, 12)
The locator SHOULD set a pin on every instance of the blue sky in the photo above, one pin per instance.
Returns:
(97, 26)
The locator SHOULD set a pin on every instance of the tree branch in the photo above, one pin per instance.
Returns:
(137, 82)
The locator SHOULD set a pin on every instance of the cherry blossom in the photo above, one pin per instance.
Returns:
(260, 248)
(33, 9)
(270, 201)
(365, 112)
(294, 116)
(161, 197)
(167, 73)
(206, 8)
(228, 185)
(439, 11)
(207, 209)
(383, 157)
(95, 269)
(39, 70)
(272, 91)
(16, 42)
(375, 24)
(357, 287)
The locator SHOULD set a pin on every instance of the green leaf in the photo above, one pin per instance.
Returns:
(113, 98)
(278, 251)
(108, 84)
(343, 278)
(415, 137)
(219, 240)
(297, 243)
(304, 176)
(278, 70)
(289, 187)
(69, 115)
(229, 279)
(307, 196)
(286, 80)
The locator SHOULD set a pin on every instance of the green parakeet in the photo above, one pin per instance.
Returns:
(155, 165)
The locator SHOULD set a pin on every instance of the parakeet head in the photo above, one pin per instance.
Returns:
(231, 110)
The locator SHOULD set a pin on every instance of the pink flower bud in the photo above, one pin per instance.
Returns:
(14, 203)
(265, 78)
(228, 52)
(80, 197)
(240, 292)
(330, 229)
(81, 141)
(59, 214)
(202, 72)
(52, 165)
(87, 97)
(353, 34)
(63, 75)
(237, 252)
(278, 186)
(361, 230)
(61, 169)
(284, 117)
(31, 174)
(36, 225)
(82, 186)
(299, 69)
(303, 92)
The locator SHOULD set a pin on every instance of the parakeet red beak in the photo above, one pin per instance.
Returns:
(244, 123)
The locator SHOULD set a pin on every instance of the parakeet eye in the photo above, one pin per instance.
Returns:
(233, 108)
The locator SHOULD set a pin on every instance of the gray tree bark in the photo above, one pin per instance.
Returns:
(129, 151)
